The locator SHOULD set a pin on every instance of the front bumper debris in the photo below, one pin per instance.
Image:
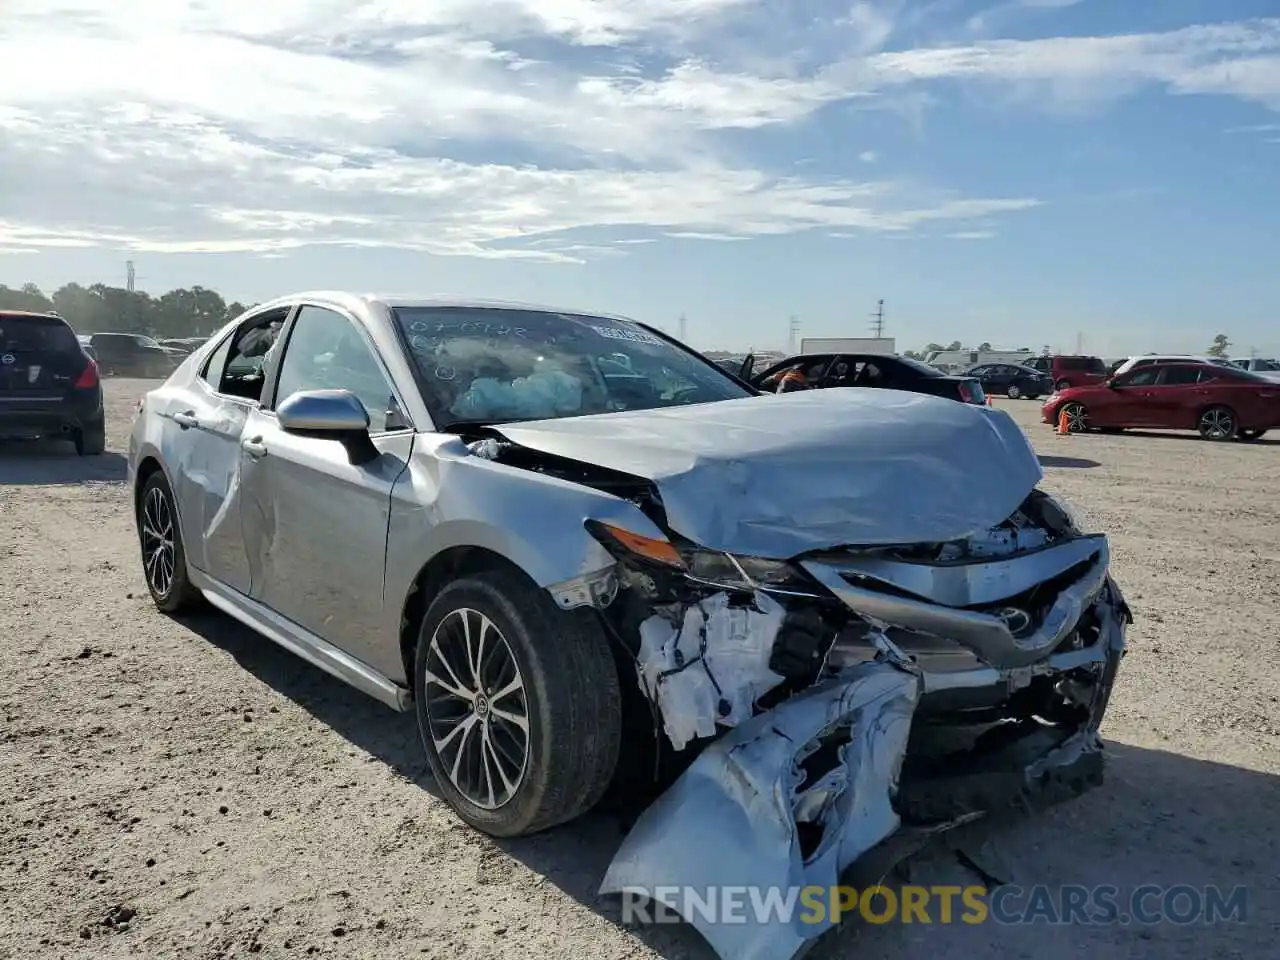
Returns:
(961, 686)
(753, 811)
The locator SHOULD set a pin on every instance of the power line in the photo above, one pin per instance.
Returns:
(877, 320)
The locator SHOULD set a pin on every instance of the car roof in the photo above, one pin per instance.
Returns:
(363, 301)
(42, 314)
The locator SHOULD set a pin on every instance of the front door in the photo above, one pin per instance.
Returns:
(315, 523)
(1127, 404)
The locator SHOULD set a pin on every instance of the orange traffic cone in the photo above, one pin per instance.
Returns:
(989, 402)
(1064, 427)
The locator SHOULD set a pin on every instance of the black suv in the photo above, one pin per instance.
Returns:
(134, 355)
(49, 386)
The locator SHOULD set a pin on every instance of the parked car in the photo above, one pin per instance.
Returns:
(819, 371)
(49, 387)
(183, 345)
(1267, 369)
(1157, 359)
(449, 506)
(1219, 401)
(1012, 380)
(1070, 371)
(134, 355)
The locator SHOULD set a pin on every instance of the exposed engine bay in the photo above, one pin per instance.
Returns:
(868, 687)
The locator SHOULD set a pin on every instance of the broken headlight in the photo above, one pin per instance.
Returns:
(710, 567)
(738, 573)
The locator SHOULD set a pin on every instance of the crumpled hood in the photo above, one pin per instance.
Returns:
(775, 476)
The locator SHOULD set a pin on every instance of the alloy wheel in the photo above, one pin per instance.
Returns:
(476, 707)
(1077, 418)
(157, 541)
(1217, 424)
(1014, 391)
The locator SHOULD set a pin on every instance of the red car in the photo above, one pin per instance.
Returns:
(1220, 403)
(1070, 371)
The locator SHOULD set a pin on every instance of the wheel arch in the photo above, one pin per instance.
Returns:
(147, 467)
(450, 564)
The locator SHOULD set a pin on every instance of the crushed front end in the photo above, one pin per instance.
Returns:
(820, 703)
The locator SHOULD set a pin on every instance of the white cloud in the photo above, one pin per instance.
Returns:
(695, 235)
(972, 235)
(868, 156)
(1234, 59)
(474, 127)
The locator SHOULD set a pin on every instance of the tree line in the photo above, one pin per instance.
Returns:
(99, 308)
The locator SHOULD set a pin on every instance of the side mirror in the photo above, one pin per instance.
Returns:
(748, 367)
(1111, 384)
(330, 415)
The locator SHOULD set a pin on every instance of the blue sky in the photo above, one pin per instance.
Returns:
(1017, 171)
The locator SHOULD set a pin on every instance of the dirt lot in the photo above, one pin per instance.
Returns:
(237, 801)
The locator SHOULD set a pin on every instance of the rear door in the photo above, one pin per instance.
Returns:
(208, 421)
(1173, 402)
(40, 359)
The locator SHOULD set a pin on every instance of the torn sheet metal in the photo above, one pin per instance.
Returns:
(712, 667)
(731, 819)
(774, 476)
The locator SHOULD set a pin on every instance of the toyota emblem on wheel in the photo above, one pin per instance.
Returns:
(8, 358)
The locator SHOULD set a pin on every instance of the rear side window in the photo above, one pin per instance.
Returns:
(36, 335)
(1180, 376)
(217, 362)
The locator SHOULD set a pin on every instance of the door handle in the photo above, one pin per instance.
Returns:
(255, 447)
(186, 419)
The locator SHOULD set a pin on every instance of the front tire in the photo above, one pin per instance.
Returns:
(518, 704)
(1014, 392)
(1077, 417)
(164, 561)
(1218, 423)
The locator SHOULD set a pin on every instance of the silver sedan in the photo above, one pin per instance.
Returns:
(533, 526)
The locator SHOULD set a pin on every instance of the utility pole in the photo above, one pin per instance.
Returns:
(793, 334)
(877, 320)
(684, 329)
(130, 278)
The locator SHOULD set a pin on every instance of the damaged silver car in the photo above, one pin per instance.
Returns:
(576, 548)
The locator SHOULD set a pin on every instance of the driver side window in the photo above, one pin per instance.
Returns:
(1142, 378)
(326, 351)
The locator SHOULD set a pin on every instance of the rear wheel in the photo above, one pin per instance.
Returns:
(1218, 423)
(164, 561)
(1251, 435)
(91, 442)
(1062, 385)
(518, 704)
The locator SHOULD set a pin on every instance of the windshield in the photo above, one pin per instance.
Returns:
(39, 334)
(487, 364)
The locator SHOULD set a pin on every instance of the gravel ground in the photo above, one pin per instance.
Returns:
(189, 790)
